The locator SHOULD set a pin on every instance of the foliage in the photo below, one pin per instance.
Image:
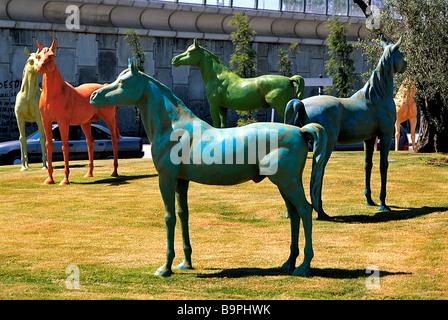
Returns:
(242, 61)
(423, 25)
(137, 52)
(284, 62)
(340, 66)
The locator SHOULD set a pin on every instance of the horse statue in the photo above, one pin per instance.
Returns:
(66, 105)
(185, 148)
(406, 110)
(226, 90)
(27, 109)
(368, 114)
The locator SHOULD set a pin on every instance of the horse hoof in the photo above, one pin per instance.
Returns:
(288, 266)
(88, 175)
(384, 208)
(24, 169)
(163, 272)
(322, 216)
(184, 266)
(302, 271)
(64, 182)
(114, 174)
(44, 168)
(49, 181)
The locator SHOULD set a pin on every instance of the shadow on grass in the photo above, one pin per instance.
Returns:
(331, 273)
(117, 181)
(396, 214)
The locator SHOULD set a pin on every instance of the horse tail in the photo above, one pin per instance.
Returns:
(318, 135)
(294, 112)
(300, 86)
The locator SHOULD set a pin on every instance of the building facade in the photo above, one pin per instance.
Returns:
(91, 45)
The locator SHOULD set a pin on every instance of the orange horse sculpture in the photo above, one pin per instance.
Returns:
(66, 105)
(406, 110)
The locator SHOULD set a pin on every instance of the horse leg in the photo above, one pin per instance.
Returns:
(86, 128)
(290, 264)
(397, 134)
(384, 164)
(42, 142)
(182, 211)
(369, 146)
(49, 148)
(111, 124)
(223, 116)
(64, 129)
(305, 212)
(214, 113)
(321, 215)
(413, 124)
(23, 146)
(167, 188)
(302, 209)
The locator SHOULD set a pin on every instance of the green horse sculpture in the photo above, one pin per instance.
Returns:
(226, 90)
(170, 124)
(27, 109)
(368, 114)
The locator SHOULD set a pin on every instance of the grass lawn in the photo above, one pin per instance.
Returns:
(113, 231)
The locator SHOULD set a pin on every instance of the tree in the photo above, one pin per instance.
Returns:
(242, 61)
(340, 67)
(137, 52)
(284, 62)
(423, 25)
(139, 56)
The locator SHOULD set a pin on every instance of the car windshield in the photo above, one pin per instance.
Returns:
(35, 135)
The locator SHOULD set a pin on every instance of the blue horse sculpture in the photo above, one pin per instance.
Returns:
(368, 114)
(185, 148)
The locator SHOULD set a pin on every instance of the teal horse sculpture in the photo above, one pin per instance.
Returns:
(185, 148)
(368, 114)
(226, 90)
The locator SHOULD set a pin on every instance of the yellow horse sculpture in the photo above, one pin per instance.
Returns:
(27, 108)
(406, 109)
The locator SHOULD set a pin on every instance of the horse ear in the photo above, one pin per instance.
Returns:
(397, 45)
(196, 45)
(53, 46)
(39, 46)
(133, 66)
(383, 42)
(26, 52)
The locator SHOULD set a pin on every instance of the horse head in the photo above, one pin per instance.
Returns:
(45, 58)
(127, 89)
(393, 54)
(190, 57)
(31, 63)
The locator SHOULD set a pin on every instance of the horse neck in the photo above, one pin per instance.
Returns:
(53, 82)
(162, 111)
(210, 67)
(380, 87)
(30, 85)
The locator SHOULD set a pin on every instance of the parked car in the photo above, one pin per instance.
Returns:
(403, 143)
(128, 147)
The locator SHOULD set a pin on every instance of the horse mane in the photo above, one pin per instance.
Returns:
(214, 57)
(380, 83)
(168, 93)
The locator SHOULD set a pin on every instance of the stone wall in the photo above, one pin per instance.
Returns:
(96, 57)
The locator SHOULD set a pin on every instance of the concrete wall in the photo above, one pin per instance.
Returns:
(100, 53)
